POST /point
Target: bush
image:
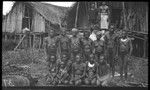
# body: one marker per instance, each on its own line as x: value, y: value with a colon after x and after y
x: 8, y: 45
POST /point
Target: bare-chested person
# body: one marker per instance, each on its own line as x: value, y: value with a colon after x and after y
x: 103, y: 72
x: 110, y: 49
x: 98, y: 47
x: 75, y: 44
x: 64, y: 67
x: 78, y: 71
x: 125, y: 50
x: 87, y: 46
x: 51, y: 44
x: 53, y: 69
x: 64, y: 43
x: 91, y: 71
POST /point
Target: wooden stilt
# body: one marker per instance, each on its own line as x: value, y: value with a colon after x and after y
x: 144, y: 55
x: 30, y: 41
x: 34, y: 40
x: 40, y: 42
x: 5, y: 36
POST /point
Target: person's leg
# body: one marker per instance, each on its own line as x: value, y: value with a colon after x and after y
x: 93, y: 81
x: 78, y: 82
x: 112, y: 62
x: 121, y: 65
x: 125, y: 66
x: 86, y: 81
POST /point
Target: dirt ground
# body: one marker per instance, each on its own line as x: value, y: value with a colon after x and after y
x: 35, y: 62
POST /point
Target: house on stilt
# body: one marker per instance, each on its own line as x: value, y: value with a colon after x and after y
x: 38, y: 17
x: 130, y: 15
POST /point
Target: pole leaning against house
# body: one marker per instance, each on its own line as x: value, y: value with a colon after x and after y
x: 26, y: 30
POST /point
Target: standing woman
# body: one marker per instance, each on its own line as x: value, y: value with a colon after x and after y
x: 125, y: 50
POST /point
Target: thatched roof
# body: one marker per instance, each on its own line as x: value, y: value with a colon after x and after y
x: 50, y: 12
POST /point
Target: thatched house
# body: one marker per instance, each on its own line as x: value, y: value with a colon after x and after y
x: 130, y: 15
x: 37, y: 17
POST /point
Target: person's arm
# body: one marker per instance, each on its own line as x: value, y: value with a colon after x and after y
x: 84, y: 72
x: 72, y: 72
x: 69, y: 46
x: 97, y: 70
x: 81, y: 45
x: 131, y: 47
x: 93, y: 47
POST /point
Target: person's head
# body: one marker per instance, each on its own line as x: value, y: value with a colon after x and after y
x: 93, y: 6
x: 123, y: 34
x: 52, y: 58
x: 74, y: 31
x: 62, y: 64
x: 111, y: 28
x: 63, y: 32
x: 64, y: 57
x: 103, y: 3
x: 99, y: 36
x: 91, y: 58
x: 86, y: 34
x: 78, y: 58
x: 51, y: 33
x: 102, y: 58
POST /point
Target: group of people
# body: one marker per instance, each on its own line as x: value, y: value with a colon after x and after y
x: 81, y: 60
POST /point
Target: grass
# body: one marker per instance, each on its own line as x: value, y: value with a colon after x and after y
x: 36, y: 60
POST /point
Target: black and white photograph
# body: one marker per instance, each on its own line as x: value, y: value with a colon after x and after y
x: 70, y: 43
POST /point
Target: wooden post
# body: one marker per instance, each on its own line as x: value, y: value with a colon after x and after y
x: 144, y: 55
x: 124, y: 15
x: 40, y: 42
x: 34, y: 40
x: 5, y: 36
x: 30, y: 41
x: 76, y: 14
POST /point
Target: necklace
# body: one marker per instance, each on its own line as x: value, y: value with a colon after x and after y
x: 90, y: 65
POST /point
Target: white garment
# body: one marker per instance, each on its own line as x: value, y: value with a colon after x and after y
x: 102, y: 38
x: 104, y: 21
x: 90, y: 65
x: 93, y: 37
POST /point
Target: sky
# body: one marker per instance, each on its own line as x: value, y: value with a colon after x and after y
x: 7, y: 5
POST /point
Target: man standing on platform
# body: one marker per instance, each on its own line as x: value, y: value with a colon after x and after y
x: 92, y: 15
x: 103, y: 16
